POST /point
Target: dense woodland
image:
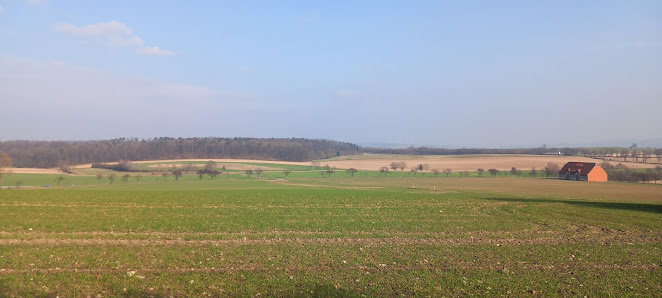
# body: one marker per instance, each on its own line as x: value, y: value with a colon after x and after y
x: 47, y: 154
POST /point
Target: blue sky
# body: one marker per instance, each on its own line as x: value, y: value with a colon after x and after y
x: 438, y: 73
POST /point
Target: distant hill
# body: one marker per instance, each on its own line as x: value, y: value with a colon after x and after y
x: 48, y: 154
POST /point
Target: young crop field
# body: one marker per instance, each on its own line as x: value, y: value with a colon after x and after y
x: 309, y: 235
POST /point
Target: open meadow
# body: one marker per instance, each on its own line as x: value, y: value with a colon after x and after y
x: 333, y: 235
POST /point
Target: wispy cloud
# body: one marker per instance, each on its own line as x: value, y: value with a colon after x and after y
x: 156, y: 51
x: 55, y: 90
x: 112, y: 33
x: 2, y: 9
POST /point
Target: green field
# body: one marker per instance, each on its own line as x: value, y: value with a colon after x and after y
x: 318, y: 236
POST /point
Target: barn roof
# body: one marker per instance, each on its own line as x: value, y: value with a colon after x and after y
x: 582, y: 167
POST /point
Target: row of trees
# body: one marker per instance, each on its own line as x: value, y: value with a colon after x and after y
x: 628, y: 175
x: 642, y: 155
x: 112, y: 177
x: 551, y: 170
x: 622, y: 173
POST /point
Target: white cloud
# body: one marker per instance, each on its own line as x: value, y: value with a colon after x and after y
x: 156, y: 51
x: 2, y: 9
x: 112, y: 27
x: 112, y: 33
x: 86, y: 103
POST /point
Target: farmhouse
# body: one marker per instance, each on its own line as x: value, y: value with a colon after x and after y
x: 582, y: 171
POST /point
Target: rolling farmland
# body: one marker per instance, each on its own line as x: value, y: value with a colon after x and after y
x: 332, y: 236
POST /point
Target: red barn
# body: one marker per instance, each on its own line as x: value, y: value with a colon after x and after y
x: 582, y: 171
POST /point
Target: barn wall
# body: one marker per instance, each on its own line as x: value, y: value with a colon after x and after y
x: 597, y: 174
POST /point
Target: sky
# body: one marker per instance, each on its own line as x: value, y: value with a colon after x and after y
x: 497, y: 74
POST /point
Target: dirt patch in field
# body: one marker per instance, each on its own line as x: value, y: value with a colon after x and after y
x: 374, y: 162
x: 470, y: 162
x: 33, y: 171
x: 220, y: 162
x: 229, y: 166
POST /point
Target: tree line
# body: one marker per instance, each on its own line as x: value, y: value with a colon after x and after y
x: 631, y: 154
x: 622, y: 173
x: 550, y: 170
x: 48, y: 154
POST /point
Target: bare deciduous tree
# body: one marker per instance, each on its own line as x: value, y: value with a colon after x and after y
x: 210, y: 165
x: 287, y: 173
x: 99, y: 177
x: 138, y: 178
x: 436, y: 172
x: 493, y: 172
x: 200, y: 173
x: 552, y: 169
x: 533, y: 172
x: 65, y: 168
x: 383, y: 170
x: 480, y: 171
x: 111, y: 177
x: 188, y: 167
x: 352, y: 171
x: 213, y: 174
x: 398, y: 165
x: 426, y: 167
x: 330, y: 170
x: 177, y: 173
x: 448, y: 172
x: 5, y: 162
x: 125, y: 178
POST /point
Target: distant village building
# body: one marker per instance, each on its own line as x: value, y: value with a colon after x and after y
x: 582, y: 171
x: 552, y: 153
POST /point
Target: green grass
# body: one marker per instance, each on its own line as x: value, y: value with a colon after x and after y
x: 338, y: 236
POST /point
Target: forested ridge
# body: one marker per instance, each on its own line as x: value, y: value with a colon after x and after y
x: 46, y: 154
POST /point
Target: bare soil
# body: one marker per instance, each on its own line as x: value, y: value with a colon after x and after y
x: 229, y: 166
x: 470, y: 162
x: 372, y: 162
x: 34, y: 171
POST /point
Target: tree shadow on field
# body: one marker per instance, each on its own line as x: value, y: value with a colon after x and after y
x: 607, y: 205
